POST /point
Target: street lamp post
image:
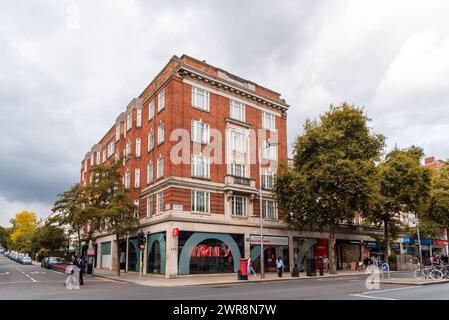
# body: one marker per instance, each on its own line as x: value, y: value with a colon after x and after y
x: 262, y: 258
x: 419, y: 239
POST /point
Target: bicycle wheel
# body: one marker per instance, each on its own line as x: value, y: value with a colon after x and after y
x: 436, y: 274
x: 419, y: 274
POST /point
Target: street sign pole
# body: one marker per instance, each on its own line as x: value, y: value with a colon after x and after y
x: 419, y: 239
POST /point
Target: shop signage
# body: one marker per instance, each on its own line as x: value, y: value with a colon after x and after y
x: 415, y: 241
x: 175, y: 232
x: 90, y: 252
x: 440, y: 242
x: 349, y: 241
x: 270, y: 240
x: 371, y: 244
x: 211, y: 251
x: 178, y: 207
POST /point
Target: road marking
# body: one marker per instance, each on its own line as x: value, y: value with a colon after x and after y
x: 4, y: 273
x: 37, y: 272
x: 370, y: 297
x: 387, y: 290
x: 26, y: 274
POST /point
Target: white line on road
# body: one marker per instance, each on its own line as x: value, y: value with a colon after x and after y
x: 26, y: 275
x: 387, y: 290
x: 370, y: 297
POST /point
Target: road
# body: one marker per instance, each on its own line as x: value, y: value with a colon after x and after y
x: 33, y: 282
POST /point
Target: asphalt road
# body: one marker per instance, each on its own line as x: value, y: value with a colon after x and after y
x: 33, y: 282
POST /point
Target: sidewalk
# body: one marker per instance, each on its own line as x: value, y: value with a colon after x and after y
x: 412, y: 281
x: 207, y: 279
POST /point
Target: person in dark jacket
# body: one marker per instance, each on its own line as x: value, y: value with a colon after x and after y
x: 81, y: 266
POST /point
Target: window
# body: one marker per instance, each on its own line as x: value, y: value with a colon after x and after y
x: 136, y: 209
x: 238, y: 141
x: 117, y: 133
x: 150, y: 169
x: 111, y: 149
x: 269, y: 209
x: 98, y: 154
x: 160, y: 133
x: 150, y: 206
x: 160, y: 167
x: 238, y: 205
x: 85, y: 166
x: 136, y: 178
x: 151, y: 140
x: 91, y: 160
x: 161, y: 101
x: 200, y: 201
x: 139, y: 118
x: 104, y: 155
x: 127, y: 179
x: 128, y: 148
x: 129, y: 121
x: 200, y: 166
x: 268, y: 179
x: 268, y: 121
x: 138, y: 147
x: 200, y: 98
x: 238, y: 169
x: 116, y: 156
x: 151, y: 109
x: 237, y: 110
x: 200, y: 132
x: 160, y: 202
x: 269, y: 152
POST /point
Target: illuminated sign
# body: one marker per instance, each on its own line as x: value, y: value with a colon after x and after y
x: 210, y: 251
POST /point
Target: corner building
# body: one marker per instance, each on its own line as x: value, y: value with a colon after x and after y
x: 192, y: 142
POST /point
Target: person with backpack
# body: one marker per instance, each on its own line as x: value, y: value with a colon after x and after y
x: 280, y: 266
x: 81, y: 265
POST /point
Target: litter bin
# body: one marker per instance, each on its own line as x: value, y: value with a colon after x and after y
x: 311, y: 268
x: 295, y: 272
x: 243, y: 269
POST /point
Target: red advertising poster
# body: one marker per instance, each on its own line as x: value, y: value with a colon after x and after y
x: 321, y: 249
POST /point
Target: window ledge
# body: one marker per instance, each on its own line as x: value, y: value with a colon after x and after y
x: 201, y: 109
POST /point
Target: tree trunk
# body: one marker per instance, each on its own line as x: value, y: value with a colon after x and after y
x: 332, y: 251
x: 118, y: 253
x: 386, y: 241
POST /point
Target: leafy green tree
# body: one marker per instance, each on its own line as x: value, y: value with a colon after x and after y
x: 111, y: 203
x: 333, y: 172
x: 48, y: 237
x: 4, y: 237
x: 72, y: 210
x: 404, y: 187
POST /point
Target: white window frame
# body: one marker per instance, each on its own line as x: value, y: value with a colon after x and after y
x: 151, y: 109
x: 237, y: 104
x: 91, y: 160
x: 151, y: 140
x: 139, y: 118
x: 200, y: 92
x: 161, y: 100
x: 269, y: 124
x: 270, y: 152
x: 238, y: 141
x: 138, y: 146
x: 273, y: 214
x: 200, y: 166
x: 111, y: 147
x: 160, y: 167
x: 127, y: 179
x: 136, y: 209
x: 137, y: 178
x: 98, y: 157
x: 159, y: 202
x: 128, y: 148
x: 268, y: 177
x: 104, y: 156
x: 244, y: 202
x: 117, y: 133
x: 242, y: 166
x: 150, y: 203
x: 150, y: 172
x: 129, y: 121
x: 206, y: 199
x: 160, y: 137
x: 200, y: 132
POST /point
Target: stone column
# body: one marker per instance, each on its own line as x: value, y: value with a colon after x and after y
x: 247, y: 248
x: 114, y: 258
x: 291, y: 255
x: 171, y: 258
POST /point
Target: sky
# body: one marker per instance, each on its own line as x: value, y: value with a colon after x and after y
x: 68, y: 68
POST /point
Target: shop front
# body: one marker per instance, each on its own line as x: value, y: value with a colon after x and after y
x: 439, y: 247
x: 348, y: 254
x: 273, y: 247
x: 156, y: 253
x: 411, y: 246
x: 133, y: 254
x: 307, y: 249
x: 373, y: 249
x: 206, y: 252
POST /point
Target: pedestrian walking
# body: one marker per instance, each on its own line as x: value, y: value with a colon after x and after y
x: 251, y: 267
x: 366, y: 262
x: 360, y: 264
x: 81, y: 266
x: 280, y: 266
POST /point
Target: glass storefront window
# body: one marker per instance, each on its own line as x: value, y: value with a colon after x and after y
x: 156, y: 253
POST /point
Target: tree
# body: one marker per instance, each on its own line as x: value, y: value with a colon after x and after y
x: 404, y: 187
x: 111, y: 202
x: 72, y: 210
x: 333, y: 172
x: 4, y: 237
x: 24, y: 225
x: 437, y: 211
x: 48, y: 237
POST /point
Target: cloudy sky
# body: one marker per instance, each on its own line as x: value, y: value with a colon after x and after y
x: 67, y: 68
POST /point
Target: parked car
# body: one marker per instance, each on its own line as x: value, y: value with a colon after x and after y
x: 44, y: 262
x: 61, y: 266
x: 26, y: 260
x: 53, y: 260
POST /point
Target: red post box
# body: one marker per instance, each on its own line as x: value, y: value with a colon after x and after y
x: 243, y: 269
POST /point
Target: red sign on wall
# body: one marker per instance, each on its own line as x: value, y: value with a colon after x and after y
x: 211, y: 251
x: 175, y: 232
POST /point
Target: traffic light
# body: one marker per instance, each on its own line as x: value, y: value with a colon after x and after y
x: 141, y: 239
